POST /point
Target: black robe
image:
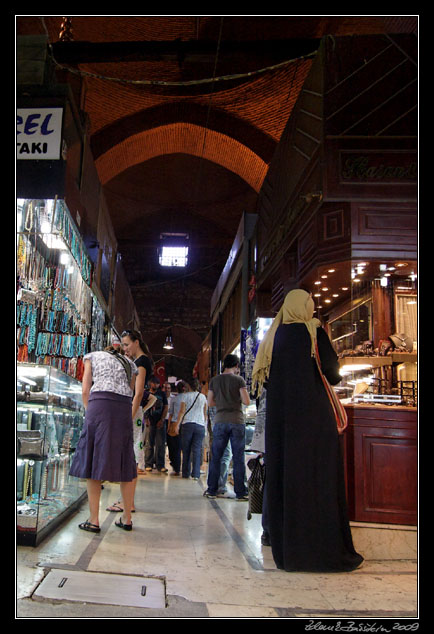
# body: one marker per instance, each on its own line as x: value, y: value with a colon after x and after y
x: 305, y: 487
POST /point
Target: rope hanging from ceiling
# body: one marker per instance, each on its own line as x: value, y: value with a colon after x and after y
x: 157, y: 82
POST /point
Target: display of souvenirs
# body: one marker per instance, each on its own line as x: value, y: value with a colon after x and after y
x: 54, y: 299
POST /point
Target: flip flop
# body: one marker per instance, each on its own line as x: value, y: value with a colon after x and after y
x: 116, y: 508
x: 126, y: 527
x: 87, y: 526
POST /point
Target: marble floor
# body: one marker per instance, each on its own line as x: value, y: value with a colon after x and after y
x: 211, y: 561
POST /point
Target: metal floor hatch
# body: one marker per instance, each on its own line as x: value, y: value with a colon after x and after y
x: 106, y: 588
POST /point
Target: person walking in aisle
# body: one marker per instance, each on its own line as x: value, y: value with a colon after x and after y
x: 192, y: 419
x: 305, y: 487
x: 228, y: 392
x: 225, y: 460
x: 173, y: 432
x: 155, y: 429
x: 105, y: 447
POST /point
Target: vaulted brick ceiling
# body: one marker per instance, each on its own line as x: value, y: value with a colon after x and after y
x: 186, y: 154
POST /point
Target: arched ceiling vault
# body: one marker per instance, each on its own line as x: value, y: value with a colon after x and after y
x: 183, y: 138
x: 193, y: 149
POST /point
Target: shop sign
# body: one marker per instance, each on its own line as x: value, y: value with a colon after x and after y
x: 39, y: 133
x: 378, y: 167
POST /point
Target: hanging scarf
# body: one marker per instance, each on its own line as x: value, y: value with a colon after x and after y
x: 298, y: 308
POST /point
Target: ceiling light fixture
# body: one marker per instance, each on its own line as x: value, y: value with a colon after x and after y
x: 168, y: 344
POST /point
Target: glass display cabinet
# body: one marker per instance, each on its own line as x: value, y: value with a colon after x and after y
x: 50, y: 418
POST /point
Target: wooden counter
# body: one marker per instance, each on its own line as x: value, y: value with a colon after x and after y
x: 381, y: 458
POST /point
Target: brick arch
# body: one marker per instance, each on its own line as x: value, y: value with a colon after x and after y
x: 185, y: 111
x: 183, y: 138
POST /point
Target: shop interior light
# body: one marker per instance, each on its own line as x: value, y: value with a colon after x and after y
x: 23, y: 380
x: 355, y: 367
x: 53, y: 241
x: 31, y: 371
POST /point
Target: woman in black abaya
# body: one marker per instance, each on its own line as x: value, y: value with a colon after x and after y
x: 308, y: 521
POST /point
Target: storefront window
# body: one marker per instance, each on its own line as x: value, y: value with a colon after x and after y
x: 370, y: 312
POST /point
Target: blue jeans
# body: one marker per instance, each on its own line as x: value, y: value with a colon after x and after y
x: 192, y: 436
x: 155, y: 445
x: 235, y: 433
x: 224, y: 467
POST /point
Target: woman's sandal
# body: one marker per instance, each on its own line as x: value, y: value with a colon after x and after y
x: 116, y: 508
x: 87, y: 526
x: 126, y: 527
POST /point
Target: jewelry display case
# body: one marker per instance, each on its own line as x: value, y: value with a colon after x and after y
x: 374, y: 333
x: 50, y: 418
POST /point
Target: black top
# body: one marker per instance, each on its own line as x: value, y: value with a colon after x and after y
x: 308, y: 522
x: 145, y: 362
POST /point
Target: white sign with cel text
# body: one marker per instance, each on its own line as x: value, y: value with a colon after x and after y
x: 39, y: 133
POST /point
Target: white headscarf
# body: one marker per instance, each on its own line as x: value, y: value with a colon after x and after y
x: 298, y: 308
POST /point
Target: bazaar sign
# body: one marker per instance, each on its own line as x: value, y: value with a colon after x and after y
x: 39, y: 133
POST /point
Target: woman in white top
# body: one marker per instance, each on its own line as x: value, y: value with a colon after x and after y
x: 192, y: 418
x: 105, y: 448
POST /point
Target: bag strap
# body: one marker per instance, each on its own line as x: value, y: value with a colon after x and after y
x: 191, y: 407
x: 124, y: 362
x: 338, y: 409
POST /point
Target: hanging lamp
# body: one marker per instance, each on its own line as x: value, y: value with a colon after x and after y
x: 168, y: 345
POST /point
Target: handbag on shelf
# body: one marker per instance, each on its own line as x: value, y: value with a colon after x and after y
x: 338, y: 409
x: 30, y: 444
x: 255, y: 486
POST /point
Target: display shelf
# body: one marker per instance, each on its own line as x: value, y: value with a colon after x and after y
x: 377, y: 361
x: 49, y: 408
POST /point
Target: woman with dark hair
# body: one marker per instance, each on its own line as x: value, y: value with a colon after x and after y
x: 192, y: 416
x: 137, y: 350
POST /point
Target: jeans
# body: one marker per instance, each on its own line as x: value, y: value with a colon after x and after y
x: 235, y: 433
x: 192, y: 436
x: 224, y: 466
x: 155, y: 445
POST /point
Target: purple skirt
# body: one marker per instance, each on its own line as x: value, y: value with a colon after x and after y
x: 105, y: 448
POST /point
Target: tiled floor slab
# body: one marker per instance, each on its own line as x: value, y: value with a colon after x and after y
x: 212, y: 561
x: 108, y: 589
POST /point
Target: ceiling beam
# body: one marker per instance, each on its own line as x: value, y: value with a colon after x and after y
x: 195, y: 50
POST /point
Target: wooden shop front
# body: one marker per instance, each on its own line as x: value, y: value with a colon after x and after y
x: 337, y: 215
